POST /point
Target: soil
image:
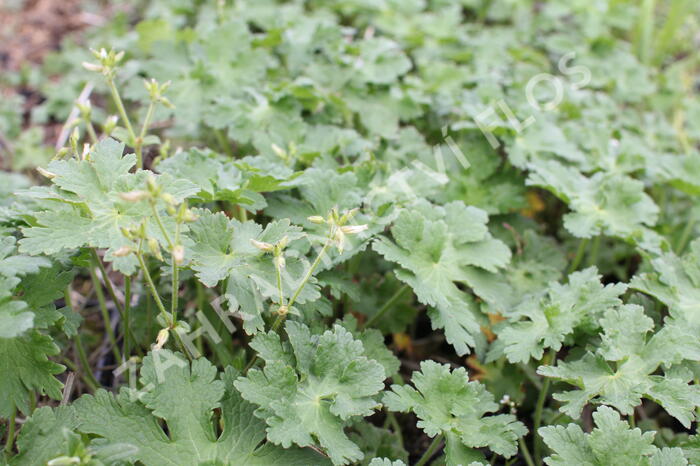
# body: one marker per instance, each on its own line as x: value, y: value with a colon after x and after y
x: 32, y: 28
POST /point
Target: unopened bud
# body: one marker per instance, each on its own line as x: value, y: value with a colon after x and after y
x: 92, y: 67
x: 123, y: 251
x: 188, y: 216
x: 281, y: 153
x: 347, y: 216
x: 85, y: 108
x: 281, y: 244
x: 280, y: 261
x: 339, y: 238
x: 74, y: 138
x: 162, y: 338
x: 154, y: 247
x: 85, y: 155
x: 62, y: 153
x: 166, y: 102
x: 134, y: 196
x: 283, y: 310
x: 110, y: 124
x: 263, y: 246
x: 152, y: 185
x: 46, y: 173
x: 179, y: 254
x: 316, y: 219
x: 353, y: 229
x: 168, y: 198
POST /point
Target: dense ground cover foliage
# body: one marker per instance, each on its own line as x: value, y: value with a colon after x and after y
x: 375, y: 232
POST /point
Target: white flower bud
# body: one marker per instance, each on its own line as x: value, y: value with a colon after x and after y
x: 45, y: 173
x: 162, y: 338
x: 154, y: 247
x: 317, y: 219
x: 281, y: 153
x: 92, y: 67
x: 339, y: 238
x: 134, y: 196
x: 110, y: 124
x: 353, y: 229
x: 168, y: 198
x: 281, y: 244
x: 123, y: 251
x: 179, y: 254
x: 263, y: 246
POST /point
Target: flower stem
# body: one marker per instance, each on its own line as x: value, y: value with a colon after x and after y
x: 526, y: 453
x: 595, y: 249
x: 579, y: 255
x: 550, y: 359
x: 138, y: 142
x: 309, y: 273
x: 89, y: 377
x: 151, y: 285
x: 386, y: 307
x: 279, y: 281
x: 434, y: 445
x: 162, y: 229
x: 108, y: 283
x: 91, y: 131
x: 685, y: 235
x: 176, y: 281
x: 126, y: 318
x: 11, y: 431
x: 122, y: 112
x: 105, y: 313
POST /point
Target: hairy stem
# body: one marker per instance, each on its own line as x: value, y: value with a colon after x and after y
x: 11, y: 431
x: 550, y: 359
x: 685, y: 235
x: 138, y: 143
x: 309, y: 273
x: 278, y: 269
x: 434, y: 445
x: 151, y: 285
x: 105, y: 313
x: 176, y: 281
x: 387, y: 306
x: 526, y: 453
x: 87, y: 374
x: 579, y: 255
x: 108, y: 283
x: 595, y: 249
x: 122, y: 113
x: 161, y: 227
x: 645, y: 38
x: 126, y: 318
x: 91, y: 131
